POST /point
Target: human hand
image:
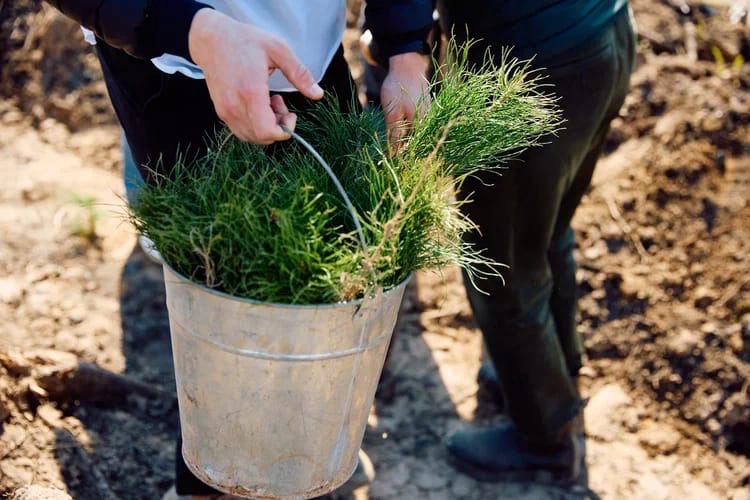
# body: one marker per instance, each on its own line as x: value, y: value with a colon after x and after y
x: 237, y: 59
x: 404, y: 94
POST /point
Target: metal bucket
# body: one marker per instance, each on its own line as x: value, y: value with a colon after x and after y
x: 274, y: 398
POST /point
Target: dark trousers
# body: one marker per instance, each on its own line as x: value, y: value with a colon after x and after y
x: 163, y: 115
x: 529, y: 324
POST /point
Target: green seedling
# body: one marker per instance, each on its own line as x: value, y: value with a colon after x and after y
x: 84, y: 225
x: 269, y: 224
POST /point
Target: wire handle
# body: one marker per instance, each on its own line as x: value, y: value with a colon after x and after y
x: 336, y: 182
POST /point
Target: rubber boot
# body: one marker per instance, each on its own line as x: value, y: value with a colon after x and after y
x: 501, y: 453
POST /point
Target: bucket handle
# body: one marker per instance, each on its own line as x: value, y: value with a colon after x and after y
x: 337, y: 455
x: 336, y: 182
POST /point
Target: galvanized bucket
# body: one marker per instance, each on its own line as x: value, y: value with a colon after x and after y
x: 274, y: 398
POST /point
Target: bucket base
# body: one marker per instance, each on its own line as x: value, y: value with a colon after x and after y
x: 263, y: 495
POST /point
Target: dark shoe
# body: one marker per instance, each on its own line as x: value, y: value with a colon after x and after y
x: 489, y: 383
x: 500, y: 453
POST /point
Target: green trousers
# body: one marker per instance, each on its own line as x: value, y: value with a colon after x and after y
x: 529, y: 323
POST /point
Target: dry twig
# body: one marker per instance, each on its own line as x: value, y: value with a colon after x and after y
x: 626, y: 229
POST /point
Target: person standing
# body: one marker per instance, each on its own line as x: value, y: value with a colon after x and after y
x: 586, y: 51
x: 176, y: 70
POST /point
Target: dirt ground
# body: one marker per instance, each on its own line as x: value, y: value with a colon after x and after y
x: 664, y: 253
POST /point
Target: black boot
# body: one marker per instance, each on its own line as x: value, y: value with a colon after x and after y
x: 501, y: 453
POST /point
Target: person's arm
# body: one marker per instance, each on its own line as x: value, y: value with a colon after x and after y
x: 399, y: 28
x: 142, y: 28
x: 236, y: 58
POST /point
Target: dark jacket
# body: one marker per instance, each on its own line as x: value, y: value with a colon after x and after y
x: 149, y: 28
x: 399, y: 26
x: 142, y: 28
x: 552, y: 31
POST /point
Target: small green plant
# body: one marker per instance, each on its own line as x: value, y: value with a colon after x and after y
x: 269, y: 224
x: 84, y: 225
x: 720, y: 64
x: 737, y: 63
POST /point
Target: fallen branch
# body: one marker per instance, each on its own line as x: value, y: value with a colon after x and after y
x: 733, y: 290
x: 444, y: 332
x: 625, y: 228
x: 89, y: 382
x: 441, y: 313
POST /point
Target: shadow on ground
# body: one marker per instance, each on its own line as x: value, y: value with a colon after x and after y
x: 131, y: 451
x: 130, y: 454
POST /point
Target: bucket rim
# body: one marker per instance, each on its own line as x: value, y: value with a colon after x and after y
x: 234, y: 298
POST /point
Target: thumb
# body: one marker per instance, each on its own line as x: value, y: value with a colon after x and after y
x: 282, y: 57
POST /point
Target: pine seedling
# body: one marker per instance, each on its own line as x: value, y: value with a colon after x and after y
x: 269, y: 224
